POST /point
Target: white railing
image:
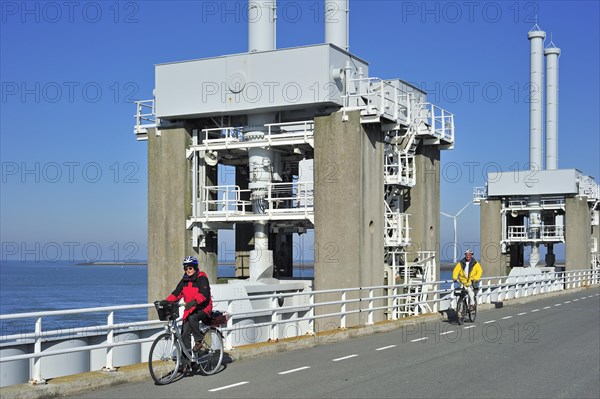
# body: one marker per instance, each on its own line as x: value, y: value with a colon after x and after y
x: 375, y: 96
x: 547, y: 232
x: 439, y: 122
x: 281, y: 198
x: 479, y: 193
x: 275, y: 134
x: 145, y: 116
x: 335, y: 304
x: 399, y: 169
x: 545, y: 203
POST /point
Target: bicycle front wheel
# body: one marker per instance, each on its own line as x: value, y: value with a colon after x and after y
x: 461, y: 308
x: 473, y: 313
x: 164, y: 359
x: 210, y: 356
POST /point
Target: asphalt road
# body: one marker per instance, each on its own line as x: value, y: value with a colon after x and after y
x: 549, y: 348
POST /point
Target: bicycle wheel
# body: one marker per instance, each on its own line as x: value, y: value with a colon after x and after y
x: 473, y: 313
x: 164, y: 359
x: 461, y: 308
x: 210, y: 356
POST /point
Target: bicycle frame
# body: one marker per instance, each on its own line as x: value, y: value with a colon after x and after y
x: 175, y: 329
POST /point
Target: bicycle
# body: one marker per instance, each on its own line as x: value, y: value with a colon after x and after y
x: 169, y: 357
x: 462, y: 305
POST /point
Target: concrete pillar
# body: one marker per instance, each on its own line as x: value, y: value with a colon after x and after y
x: 577, y: 234
x: 596, y: 235
x: 424, y: 205
x: 491, y: 258
x: 349, y: 208
x: 244, y: 232
x: 169, y: 199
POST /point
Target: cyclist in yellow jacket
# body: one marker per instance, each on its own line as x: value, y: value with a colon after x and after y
x: 468, y: 271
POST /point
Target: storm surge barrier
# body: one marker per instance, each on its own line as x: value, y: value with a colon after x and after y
x: 41, y: 354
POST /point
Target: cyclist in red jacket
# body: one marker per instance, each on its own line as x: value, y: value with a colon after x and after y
x: 195, y: 291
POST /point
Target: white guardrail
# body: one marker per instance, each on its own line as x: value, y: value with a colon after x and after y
x: 36, y: 353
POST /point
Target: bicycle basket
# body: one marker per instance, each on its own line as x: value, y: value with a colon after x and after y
x: 167, y: 310
x: 458, y: 291
x: 218, y: 318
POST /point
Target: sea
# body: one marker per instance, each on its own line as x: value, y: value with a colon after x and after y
x: 33, y: 286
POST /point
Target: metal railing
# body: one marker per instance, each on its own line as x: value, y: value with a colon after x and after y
x: 439, y: 122
x: 282, y: 133
x: 295, y: 198
x: 479, y: 193
x: 375, y: 96
x: 547, y: 232
x: 335, y: 304
x: 145, y: 116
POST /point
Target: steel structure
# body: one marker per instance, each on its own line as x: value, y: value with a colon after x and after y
x: 534, y: 202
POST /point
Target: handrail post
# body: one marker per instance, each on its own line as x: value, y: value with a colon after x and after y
x: 229, y: 338
x: 311, y: 314
x: 110, y: 339
x: 370, y: 314
x: 274, y: 335
x: 37, y: 349
x: 343, y: 311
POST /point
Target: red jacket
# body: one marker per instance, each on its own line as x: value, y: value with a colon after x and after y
x: 192, y: 288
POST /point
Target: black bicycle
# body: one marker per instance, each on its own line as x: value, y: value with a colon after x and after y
x: 463, y: 308
x: 169, y: 357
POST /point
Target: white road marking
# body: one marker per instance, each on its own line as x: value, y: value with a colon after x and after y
x: 228, y: 386
x: 466, y: 328
x: 507, y: 317
x: 558, y: 304
x: 575, y: 300
x: 535, y: 310
x: 567, y: 302
x: 344, y: 358
x: 419, y: 339
x: 491, y: 321
x: 294, y: 370
x: 590, y: 296
x: 547, y: 307
x: 521, y: 314
x: 447, y: 332
x: 385, y: 347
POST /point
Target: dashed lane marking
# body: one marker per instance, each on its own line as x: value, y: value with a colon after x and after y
x: 507, y: 317
x: 447, y: 332
x: 344, y: 358
x: 535, y: 310
x: 558, y: 304
x: 491, y: 321
x: 294, y: 370
x: 521, y: 314
x: 228, y: 386
x: 547, y: 307
x: 386, y: 347
x: 466, y: 328
x: 419, y: 339
x: 567, y: 302
x: 575, y: 300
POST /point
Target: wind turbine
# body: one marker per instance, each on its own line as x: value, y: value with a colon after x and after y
x: 454, y: 219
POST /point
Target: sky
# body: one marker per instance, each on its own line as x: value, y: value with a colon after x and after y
x: 74, y: 178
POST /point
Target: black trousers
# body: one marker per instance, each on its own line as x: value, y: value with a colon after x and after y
x: 192, y: 326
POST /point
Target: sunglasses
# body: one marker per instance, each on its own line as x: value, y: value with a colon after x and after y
x: 188, y: 268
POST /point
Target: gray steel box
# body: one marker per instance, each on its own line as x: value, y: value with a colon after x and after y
x: 530, y: 182
x: 253, y: 82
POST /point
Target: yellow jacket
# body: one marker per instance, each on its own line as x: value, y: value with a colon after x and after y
x: 475, y: 272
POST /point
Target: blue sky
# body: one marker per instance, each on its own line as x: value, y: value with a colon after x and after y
x: 74, y: 179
